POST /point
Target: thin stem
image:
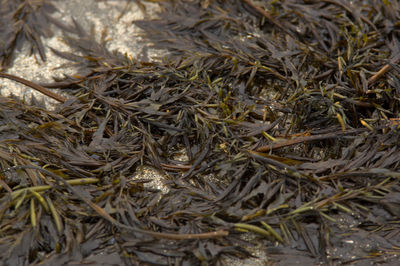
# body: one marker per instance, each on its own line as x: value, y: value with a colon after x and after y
x: 306, y: 139
x: 381, y: 72
x: 35, y: 86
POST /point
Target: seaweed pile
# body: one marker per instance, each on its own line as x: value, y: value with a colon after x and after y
x: 286, y: 113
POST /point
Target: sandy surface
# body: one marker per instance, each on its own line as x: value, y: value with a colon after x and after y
x: 122, y: 36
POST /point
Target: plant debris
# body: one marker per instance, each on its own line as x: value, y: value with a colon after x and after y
x: 25, y: 21
x: 286, y: 113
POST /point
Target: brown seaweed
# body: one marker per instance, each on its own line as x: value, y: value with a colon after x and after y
x: 290, y: 135
x: 25, y: 21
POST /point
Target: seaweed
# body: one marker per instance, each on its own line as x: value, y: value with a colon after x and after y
x: 286, y: 126
x: 25, y: 21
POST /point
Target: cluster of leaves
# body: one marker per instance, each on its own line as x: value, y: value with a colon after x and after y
x: 24, y: 21
x: 287, y: 128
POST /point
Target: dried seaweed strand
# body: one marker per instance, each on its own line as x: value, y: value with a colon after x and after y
x: 35, y: 86
x: 306, y: 139
x: 382, y: 71
x: 268, y: 17
x: 105, y: 215
x: 178, y: 167
x: 46, y: 92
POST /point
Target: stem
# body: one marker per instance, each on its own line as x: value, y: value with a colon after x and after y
x: 35, y: 86
x: 307, y: 139
x: 382, y: 71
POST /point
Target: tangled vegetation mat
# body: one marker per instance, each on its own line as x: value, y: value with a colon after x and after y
x: 285, y: 114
